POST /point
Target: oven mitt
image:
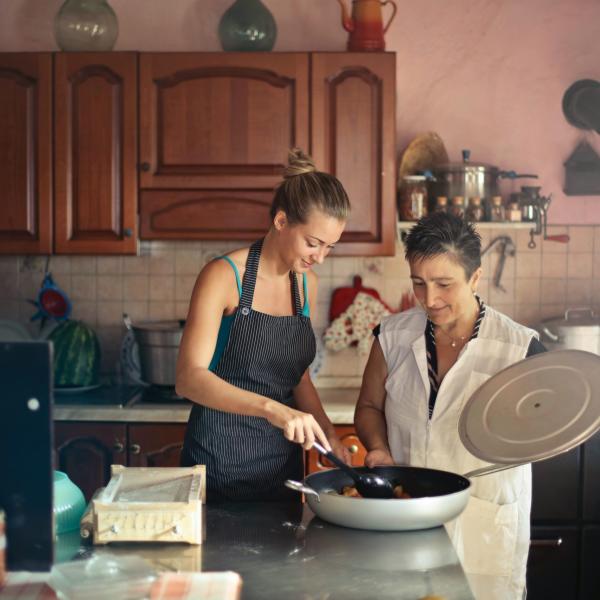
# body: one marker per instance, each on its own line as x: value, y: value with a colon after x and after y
x: 343, y: 297
x: 355, y: 324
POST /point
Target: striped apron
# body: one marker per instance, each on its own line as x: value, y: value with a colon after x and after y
x: 246, y: 457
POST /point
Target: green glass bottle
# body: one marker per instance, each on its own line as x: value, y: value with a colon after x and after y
x: 86, y: 25
x: 246, y: 26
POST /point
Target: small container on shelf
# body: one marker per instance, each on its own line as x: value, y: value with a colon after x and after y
x: 412, y: 198
x: 441, y: 204
x: 497, y: 212
x: 475, y: 212
x: 457, y: 208
x: 513, y: 213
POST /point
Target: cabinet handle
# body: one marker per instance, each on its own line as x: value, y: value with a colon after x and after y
x: 135, y: 448
x: 145, y: 167
x: 118, y: 447
x: 353, y: 449
x: 546, y: 543
x: 127, y: 232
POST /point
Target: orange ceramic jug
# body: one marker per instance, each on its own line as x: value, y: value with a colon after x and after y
x: 366, y: 24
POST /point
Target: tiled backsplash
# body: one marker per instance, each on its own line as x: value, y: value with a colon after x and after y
x: 539, y: 283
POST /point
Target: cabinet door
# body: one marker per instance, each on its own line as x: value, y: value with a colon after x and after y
x: 591, y: 479
x: 353, y: 137
x: 590, y: 574
x: 222, y: 121
x: 26, y: 153
x: 347, y: 434
x: 553, y: 563
x: 95, y: 153
x: 556, y: 487
x: 85, y: 452
x: 155, y: 445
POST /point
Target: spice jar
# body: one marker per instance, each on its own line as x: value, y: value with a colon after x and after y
x: 497, y: 210
x: 514, y: 212
x: 412, y: 199
x: 474, y: 212
x: 441, y: 204
x: 457, y: 208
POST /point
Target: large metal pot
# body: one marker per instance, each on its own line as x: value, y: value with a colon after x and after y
x: 468, y: 179
x: 158, y: 343
x: 579, y: 329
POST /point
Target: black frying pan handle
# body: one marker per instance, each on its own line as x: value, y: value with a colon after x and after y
x: 336, y: 461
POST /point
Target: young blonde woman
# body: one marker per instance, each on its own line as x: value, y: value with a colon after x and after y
x: 248, y: 343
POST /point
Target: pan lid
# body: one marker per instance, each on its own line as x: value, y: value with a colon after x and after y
x: 535, y: 409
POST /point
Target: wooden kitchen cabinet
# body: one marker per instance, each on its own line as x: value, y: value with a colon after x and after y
x: 215, y: 130
x: 95, y: 153
x: 347, y: 434
x: 155, y: 445
x: 85, y: 450
x: 26, y: 153
x: 352, y: 137
x: 68, y: 161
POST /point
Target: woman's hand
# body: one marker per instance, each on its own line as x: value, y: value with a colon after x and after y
x: 378, y: 457
x: 297, y: 426
x: 340, y: 450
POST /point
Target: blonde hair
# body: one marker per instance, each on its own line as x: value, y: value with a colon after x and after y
x: 304, y: 188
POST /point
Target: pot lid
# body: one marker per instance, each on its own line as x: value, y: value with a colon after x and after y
x: 465, y: 165
x: 574, y: 318
x: 535, y: 409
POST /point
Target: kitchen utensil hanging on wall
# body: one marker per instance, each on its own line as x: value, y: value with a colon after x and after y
x: 365, y: 24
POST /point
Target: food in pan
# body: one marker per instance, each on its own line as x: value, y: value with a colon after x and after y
x: 351, y: 492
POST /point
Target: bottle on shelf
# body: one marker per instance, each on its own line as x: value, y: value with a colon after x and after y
x: 457, y: 208
x: 514, y: 212
x: 497, y: 213
x: 412, y: 198
x: 475, y: 212
x: 441, y: 204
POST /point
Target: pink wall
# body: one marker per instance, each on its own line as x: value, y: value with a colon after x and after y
x: 488, y: 75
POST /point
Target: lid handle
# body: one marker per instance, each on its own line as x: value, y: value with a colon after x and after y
x: 584, y: 310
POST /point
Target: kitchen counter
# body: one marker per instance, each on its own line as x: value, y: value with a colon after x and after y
x: 126, y: 404
x: 283, y: 551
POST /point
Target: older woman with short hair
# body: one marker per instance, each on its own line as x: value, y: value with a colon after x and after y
x: 424, y: 365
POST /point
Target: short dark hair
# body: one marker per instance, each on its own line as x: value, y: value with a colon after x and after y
x: 443, y: 233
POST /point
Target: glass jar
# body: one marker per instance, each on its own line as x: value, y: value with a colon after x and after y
x: 412, y: 198
x: 86, y: 25
x: 457, y: 208
x: 497, y: 213
x: 514, y: 212
x: 475, y: 212
x: 441, y: 204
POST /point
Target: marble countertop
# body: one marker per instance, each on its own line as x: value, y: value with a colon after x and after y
x: 281, y: 550
x: 126, y: 404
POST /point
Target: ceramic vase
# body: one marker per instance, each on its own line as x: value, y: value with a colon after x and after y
x: 247, y: 25
x: 86, y: 25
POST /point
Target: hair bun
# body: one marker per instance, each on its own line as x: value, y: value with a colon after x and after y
x: 299, y: 163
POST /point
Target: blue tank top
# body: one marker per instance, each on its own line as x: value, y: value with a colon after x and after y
x: 227, y: 320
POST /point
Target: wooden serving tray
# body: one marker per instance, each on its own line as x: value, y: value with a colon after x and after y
x: 143, y: 504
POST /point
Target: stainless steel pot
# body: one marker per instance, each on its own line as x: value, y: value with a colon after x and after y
x: 468, y: 179
x: 578, y: 330
x: 158, y: 343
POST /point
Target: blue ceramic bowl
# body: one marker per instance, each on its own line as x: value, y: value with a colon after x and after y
x: 69, y: 504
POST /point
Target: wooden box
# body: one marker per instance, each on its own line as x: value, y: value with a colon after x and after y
x: 150, y: 505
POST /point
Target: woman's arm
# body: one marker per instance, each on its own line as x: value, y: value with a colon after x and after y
x: 196, y: 382
x: 369, y: 416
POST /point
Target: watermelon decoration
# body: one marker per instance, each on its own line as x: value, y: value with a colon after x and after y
x: 76, y: 355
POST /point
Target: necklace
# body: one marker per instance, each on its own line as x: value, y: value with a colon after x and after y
x: 453, y: 342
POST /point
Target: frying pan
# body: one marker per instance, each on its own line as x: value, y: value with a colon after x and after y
x: 516, y: 417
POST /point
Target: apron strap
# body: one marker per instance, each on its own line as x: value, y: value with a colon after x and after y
x: 249, y: 280
x: 296, y: 294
